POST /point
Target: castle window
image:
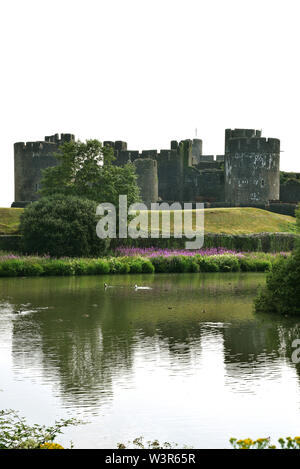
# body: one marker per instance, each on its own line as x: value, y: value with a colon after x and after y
x: 262, y: 183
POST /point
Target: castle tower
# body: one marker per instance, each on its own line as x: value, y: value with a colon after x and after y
x: 252, y: 173
x: 146, y: 170
x: 30, y: 159
x: 196, y: 150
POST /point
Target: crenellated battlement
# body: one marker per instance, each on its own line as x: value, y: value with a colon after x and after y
x: 242, y: 133
x: 59, y: 139
x: 253, y: 145
x: 34, y: 146
x: 49, y: 143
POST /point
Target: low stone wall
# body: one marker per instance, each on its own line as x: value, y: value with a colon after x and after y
x: 283, y: 208
x: 264, y: 242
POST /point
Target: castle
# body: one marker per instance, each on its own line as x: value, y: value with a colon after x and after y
x: 248, y: 174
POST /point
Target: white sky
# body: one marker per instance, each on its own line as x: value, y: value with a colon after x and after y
x: 148, y: 72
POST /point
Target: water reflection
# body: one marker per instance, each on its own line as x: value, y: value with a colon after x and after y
x: 98, y: 347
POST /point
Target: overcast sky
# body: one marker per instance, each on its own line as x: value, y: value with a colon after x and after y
x: 148, y: 72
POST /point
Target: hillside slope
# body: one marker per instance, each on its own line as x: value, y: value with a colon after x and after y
x: 237, y: 220
x: 9, y: 220
x: 243, y: 220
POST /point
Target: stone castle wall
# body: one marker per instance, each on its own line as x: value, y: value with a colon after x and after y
x: 247, y: 173
x: 30, y: 159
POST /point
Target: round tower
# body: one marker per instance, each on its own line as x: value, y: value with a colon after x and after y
x: 251, y: 168
x: 146, y: 170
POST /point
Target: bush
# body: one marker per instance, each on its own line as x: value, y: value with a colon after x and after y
x: 282, y: 292
x: 101, y: 267
x: 16, y: 433
x: 208, y: 264
x: 58, y: 267
x: 136, y: 265
x: 11, y: 268
x: 119, y: 266
x: 178, y: 264
x: 160, y: 264
x: 228, y: 263
x: 61, y: 226
x: 147, y: 267
x: 253, y: 264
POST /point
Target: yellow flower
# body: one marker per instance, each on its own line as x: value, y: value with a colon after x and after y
x: 248, y: 442
x: 261, y: 440
x: 51, y: 445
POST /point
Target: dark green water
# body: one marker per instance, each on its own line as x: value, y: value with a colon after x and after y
x: 186, y: 361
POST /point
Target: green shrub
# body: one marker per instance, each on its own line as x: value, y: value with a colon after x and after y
x: 136, y: 265
x: 282, y: 292
x: 101, y: 266
x: 253, y: 264
x: 178, y: 264
x: 12, y: 268
x: 32, y: 269
x: 208, y: 264
x: 160, y: 264
x: 58, y: 267
x: 16, y: 433
x: 80, y: 266
x: 228, y: 263
x: 147, y: 267
x: 118, y: 266
x: 193, y: 266
x: 61, y: 226
x: 247, y: 264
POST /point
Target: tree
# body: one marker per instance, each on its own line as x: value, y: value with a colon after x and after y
x: 62, y: 225
x: 282, y: 292
x: 87, y: 170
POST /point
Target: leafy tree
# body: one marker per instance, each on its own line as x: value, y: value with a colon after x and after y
x: 87, y: 170
x: 62, y: 225
x: 282, y: 292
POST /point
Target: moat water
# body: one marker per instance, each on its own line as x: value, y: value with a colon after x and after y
x: 187, y: 361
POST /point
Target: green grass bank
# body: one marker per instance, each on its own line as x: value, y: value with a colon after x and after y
x: 23, y: 266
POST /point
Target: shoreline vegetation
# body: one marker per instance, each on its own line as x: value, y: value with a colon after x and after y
x: 127, y: 260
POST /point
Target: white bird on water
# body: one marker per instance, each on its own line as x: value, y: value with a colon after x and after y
x: 136, y: 287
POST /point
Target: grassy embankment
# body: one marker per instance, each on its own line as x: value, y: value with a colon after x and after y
x: 9, y: 220
x: 237, y: 220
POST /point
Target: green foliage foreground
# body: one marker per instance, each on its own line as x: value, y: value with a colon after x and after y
x: 22, y: 266
x: 16, y: 433
x: 282, y: 292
